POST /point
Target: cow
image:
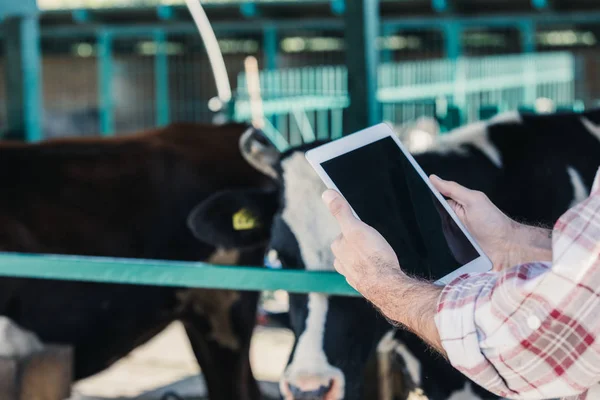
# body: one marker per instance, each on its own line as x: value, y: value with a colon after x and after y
x: 132, y: 197
x: 534, y: 167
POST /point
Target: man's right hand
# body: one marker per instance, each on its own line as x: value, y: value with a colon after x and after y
x: 506, y: 242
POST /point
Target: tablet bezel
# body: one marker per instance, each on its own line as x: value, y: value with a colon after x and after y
x: 367, y: 136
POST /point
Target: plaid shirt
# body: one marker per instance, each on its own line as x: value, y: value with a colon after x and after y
x: 532, y: 331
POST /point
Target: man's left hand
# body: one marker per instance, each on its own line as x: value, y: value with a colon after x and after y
x: 362, y: 255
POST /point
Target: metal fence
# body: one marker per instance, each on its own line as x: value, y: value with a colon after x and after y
x: 121, y: 78
x: 304, y: 104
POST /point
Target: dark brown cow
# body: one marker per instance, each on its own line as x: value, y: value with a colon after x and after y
x: 131, y: 197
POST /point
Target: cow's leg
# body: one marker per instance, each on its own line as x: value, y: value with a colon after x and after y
x: 219, y: 325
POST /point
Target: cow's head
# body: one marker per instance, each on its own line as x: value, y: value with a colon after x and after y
x: 240, y: 218
x: 334, y: 335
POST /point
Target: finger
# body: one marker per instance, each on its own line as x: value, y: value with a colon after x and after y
x: 458, y: 193
x: 339, y: 267
x: 339, y: 208
x: 456, y: 207
x: 336, y: 245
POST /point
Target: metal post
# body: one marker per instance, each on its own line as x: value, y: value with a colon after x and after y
x: 528, y: 45
x: 527, y: 30
x: 387, y: 55
x: 105, y: 72
x: 440, y: 5
x: 23, y: 76
x: 540, y: 4
x: 361, y: 30
x: 453, y: 40
x: 270, y: 47
x: 161, y: 79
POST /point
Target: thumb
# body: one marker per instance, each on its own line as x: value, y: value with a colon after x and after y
x: 456, y: 192
x: 339, y: 208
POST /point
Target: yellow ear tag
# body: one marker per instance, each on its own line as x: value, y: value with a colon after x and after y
x: 243, y: 220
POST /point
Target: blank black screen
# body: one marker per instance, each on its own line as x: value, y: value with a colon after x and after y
x: 387, y: 193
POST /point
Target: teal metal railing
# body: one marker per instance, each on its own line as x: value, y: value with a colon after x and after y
x: 170, y: 273
x: 304, y: 104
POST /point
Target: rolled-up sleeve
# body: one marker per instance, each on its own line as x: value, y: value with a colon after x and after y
x: 531, y: 332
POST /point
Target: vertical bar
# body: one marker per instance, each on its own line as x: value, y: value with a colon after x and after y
x: 322, y: 125
x: 527, y: 30
x: 161, y: 79
x: 270, y: 47
x: 581, y: 89
x: 439, y: 5
x: 105, y: 73
x: 337, y: 118
x: 338, y: 7
x: 453, y: 40
x: 387, y: 55
x: 361, y: 30
x: 459, y: 97
x: 23, y: 76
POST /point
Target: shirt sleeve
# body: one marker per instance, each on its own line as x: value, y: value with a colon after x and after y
x: 531, y: 331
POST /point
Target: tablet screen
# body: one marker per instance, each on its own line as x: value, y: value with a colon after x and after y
x: 387, y: 193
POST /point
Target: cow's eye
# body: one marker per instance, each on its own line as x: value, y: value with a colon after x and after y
x: 272, y: 259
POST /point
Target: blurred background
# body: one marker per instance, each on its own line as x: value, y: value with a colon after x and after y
x: 117, y: 66
x: 318, y: 68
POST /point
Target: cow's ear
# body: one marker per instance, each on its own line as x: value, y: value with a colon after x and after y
x: 235, y: 219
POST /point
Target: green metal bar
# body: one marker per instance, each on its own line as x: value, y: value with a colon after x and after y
x: 338, y: 7
x: 527, y: 30
x: 362, y: 29
x: 105, y: 73
x: 540, y: 4
x: 23, y: 76
x: 333, y: 24
x: 439, y: 5
x: 270, y: 54
x: 387, y: 55
x: 322, y: 124
x: 169, y: 273
x: 249, y: 9
x: 528, y: 44
x: 452, y: 40
x: 164, y: 13
x: 270, y: 47
x: 161, y: 79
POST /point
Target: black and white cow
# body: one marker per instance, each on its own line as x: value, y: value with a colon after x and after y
x: 532, y: 166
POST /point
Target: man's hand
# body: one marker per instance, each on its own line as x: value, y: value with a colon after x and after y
x: 506, y: 242
x: 362, y: 255
x: 370, y: 266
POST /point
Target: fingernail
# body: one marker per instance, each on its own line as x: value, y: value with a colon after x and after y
x: 329, y: 196
x: 433, y: 176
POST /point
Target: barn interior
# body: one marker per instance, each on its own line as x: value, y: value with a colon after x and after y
x: 318, y: 70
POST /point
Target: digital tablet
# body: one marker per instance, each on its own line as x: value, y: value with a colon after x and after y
x: 389, y: 191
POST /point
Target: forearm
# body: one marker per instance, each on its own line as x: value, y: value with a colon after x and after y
x: 413, y: 304
x: 529, y: 244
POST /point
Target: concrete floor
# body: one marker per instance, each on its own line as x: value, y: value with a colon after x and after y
x: 167, y: 363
